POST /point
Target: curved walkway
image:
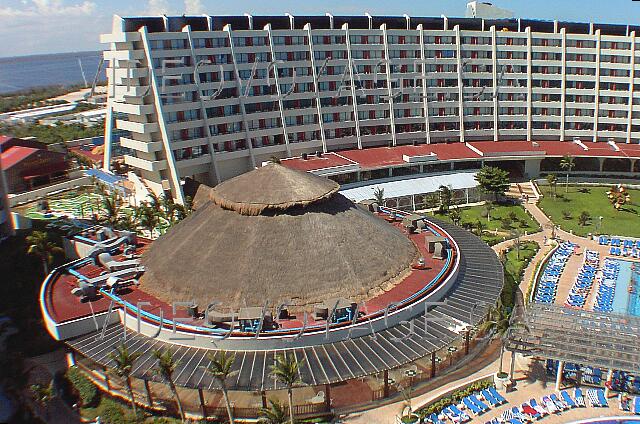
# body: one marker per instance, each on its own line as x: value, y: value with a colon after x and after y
x: 529, y: 374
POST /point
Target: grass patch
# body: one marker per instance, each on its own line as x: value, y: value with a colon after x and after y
x: 514, y: 267
x: 504, y: 218
x: 565, y: 209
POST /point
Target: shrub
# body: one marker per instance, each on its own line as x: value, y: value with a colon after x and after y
x: 111, y: 412
x: 455, y: 397
x: 566, y: 214
x: 87, y: 391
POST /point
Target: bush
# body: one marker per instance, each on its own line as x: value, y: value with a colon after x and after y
x: 455, y: 397
x: 111, y: 412
x: 87, y: 391
x: 567, y: 215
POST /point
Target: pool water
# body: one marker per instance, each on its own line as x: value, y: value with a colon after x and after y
x: 627, y: 294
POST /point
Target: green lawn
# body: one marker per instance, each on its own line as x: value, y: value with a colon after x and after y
x: 514, y: 267
x: 625, y: 222
x: 522, y: 222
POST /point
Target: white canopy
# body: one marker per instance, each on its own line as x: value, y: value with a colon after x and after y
x: 409, y: 186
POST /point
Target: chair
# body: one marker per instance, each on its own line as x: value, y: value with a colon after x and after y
x: 472, y: 407
x: 497, y: 395
x: 567, y: 399
x: 577, y: 394
x: 479, y: 403
x: 601, y: 398
x: 490, y: 398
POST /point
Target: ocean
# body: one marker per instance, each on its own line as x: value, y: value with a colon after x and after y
x: 24, y: 72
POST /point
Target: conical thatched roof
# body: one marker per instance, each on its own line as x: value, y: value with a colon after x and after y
x: 271, y: 188
x: 251, y: 243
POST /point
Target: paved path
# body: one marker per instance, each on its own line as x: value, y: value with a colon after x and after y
x: 531, y: 375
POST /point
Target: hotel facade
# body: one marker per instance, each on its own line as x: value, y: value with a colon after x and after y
x: 211, y: 97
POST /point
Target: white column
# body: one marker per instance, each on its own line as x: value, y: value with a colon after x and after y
x: 354, y: 97
x: 423, y: 74
x: 563, y: 84
x: 241, y: 99
x: 316, y: 81
x: 203, y: 109
x: 529, y: 88
x: 496, y: 89
x: 559, y: 375
x: 609, y: 380
x: 596, y: 101
x: 632, y: 65
x: 171, y: 161
x: 460, y: 86
x: 108, y: 131
x: 392, y: 118
x: 278, y: 91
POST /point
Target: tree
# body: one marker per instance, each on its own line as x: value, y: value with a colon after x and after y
x: 220, y: 369
x: 124, y: 361
x: 567, y: 164
x: 488, y: 207
x: 584, y: 218
x: 552, y: 180
x: 148, y: 217
x: 43, y: 395
x: 444, y: 197
x: 274, y: 159
x: 499, y: 323
x: 42, y: 247
x: 165, y: 367
x: 378, y: 195
x: 111, y: 206
x: 493, y: 180
x: 455, y: 216
x: 479, y: 227
x: 275, y: 414
x: 515, y: 233
x: 618, y: 196
x: 127, y: 222
x: 286, y: 371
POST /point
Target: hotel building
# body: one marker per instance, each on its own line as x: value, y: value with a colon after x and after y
x: 210, y: 97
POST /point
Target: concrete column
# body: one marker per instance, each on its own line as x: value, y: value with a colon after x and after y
x: 633, y: 162
x: 433, y: 364
x: 327, y: 396
x: 148, y: 392
x: 601, y: 162
x: 386, y: 383
x: 263, y: 395
x: 609, y: 380
x: 467, y: 335
x: 559, y: 374
x: 203, y: 407
x: 512, y: 369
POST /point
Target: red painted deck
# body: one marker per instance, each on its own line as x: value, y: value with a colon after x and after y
x: 63, y: 306
x: 312, y: 163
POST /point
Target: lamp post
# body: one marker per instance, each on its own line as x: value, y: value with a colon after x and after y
x: 599, y: 226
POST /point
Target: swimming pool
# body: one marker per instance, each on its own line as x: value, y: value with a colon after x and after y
x: 627, y: 293
x: 609, y: 420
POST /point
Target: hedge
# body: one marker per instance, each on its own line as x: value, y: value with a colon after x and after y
x: 88, y: 392
x: 454, y: 398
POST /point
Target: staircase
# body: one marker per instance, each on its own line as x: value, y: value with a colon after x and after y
x: 518, y: 190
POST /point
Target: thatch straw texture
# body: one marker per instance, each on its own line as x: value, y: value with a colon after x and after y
x: 328, y: 249
x: 271, y: 188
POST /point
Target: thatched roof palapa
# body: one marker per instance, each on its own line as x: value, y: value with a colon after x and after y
x: 275, y: 234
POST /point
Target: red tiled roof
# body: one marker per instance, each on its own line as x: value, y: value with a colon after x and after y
x: 376, y: 157
x: 15, y: 155
x: 313, y: 163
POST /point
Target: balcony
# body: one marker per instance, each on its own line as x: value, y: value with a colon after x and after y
x: 147, y: 165
x: 137, y: 127
x: 141, y: 146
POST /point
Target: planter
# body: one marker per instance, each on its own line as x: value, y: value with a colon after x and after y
x: 410, y: 419
x: 501, y: 380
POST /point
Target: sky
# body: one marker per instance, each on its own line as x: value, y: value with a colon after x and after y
x: 54, y: 26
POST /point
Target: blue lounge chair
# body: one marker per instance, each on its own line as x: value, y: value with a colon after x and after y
x: 497, y: 395
x: 472, y: 406
x: 480, y: 404
x: 435, y: 420
x: 463, y: 416
x: 636, y: 405
x: 567, y: 399
x: 490, y: 398
x: 601, y: 397
x: 515, y: 421
x: 579, y: 397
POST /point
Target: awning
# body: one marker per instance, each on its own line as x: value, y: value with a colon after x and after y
x: 410, y: 186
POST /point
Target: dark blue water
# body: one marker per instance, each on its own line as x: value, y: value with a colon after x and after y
x: 19, y: 73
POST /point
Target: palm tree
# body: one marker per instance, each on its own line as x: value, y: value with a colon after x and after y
x: 275, y: 414
x: 515, y: 233
x: 444, y: 194
x: 220, y: 368
x: 111, y: 206
x: 479, y: 227
x: 286, y: 371
x: 124, y: 361
x: 488, y: 207
x: 567, y: 164
x: 378, y: 194
x: 42, y: 247
x: 165, y: 367
x: 552, y: 180
x: 127, y: 222
x: 148, y: 217
x: 499, y: 322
